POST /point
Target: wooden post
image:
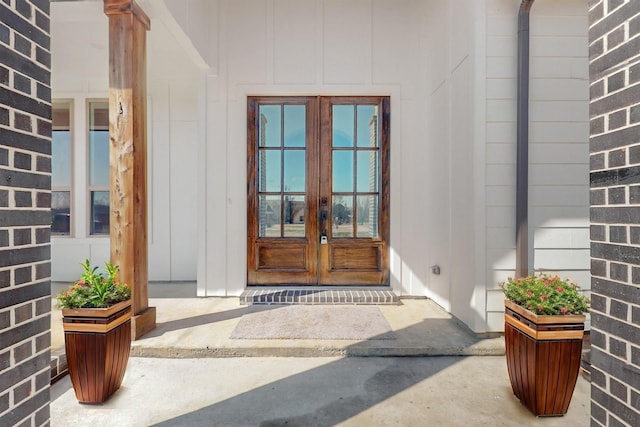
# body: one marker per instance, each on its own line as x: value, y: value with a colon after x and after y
x: 128, y: 25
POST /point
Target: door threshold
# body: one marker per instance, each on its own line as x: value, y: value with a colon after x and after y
x: 319, y: 295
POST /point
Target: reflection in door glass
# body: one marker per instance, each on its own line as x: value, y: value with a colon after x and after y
x: 342, y: 180
x: 367, y: 213
x: 294, y: 170
x: 367, y: 125
x: 295, y: 126
x: 342, y: 216
x: 367, y: 171
x: 270, y: 133
x: 343, y: 118
x: 270, y: 170
x: 269, y: 211
x: 294, y: 216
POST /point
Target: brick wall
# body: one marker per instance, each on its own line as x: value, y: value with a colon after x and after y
x: 25, y: 182
x: 614, y: 37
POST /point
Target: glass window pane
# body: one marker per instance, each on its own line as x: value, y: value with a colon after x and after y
x: 343, y: 120
x: 270, y: 133
x: 295, y: 125
x: 294, y: 170
x: 294, y: 216
x: 99, y: 144
x: 99, y: 158
x: 367, y: 212
x: 367, y: 126
x: 270, y: 216
x: 60, y: 212
x: 270, y: 170
x: 60, y: 158
x: 342, y: 171
x: 342, y: 216
x: 367, y: 171
x: 99, y: 212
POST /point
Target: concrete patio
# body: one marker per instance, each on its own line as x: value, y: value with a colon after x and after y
x: 189, y: 372
x: 201, y: 327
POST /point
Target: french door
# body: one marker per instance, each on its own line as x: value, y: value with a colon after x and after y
x: 318, y: 191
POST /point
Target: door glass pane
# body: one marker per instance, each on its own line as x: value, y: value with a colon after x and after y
x: 343, y: 121
x: 367, y: 126
x: 342, y: 216
x: 294, y: 170
x: 294, y: 216
x: 99, y: 212
x: 270, y: 126
x: 270, y: 170
x: 60, y: 158
x: 99, y: 144
x: 367, y: 171
x: 367, y: 212
x: 342, y: 168
x: 295, y: 126
x: 270, y: 216
x: 60, y: 212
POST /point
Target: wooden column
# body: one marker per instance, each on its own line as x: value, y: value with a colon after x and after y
x: 128, y: 25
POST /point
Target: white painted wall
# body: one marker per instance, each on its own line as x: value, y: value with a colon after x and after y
x: 559, y: 135
x: 316, y: 47
x: 455, y: 157
x: 449, y: 68
x: 80, y: 72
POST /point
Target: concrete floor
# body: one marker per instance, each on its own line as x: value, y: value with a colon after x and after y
x: 193, y: 374
x: 327, y: 391
x: 201, y: 327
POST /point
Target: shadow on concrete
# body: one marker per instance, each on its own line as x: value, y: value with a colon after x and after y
x: 324, y: 396
x: 332, y: 393
x: 205, y: 319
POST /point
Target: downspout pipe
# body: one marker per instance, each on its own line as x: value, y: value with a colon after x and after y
x: 522, y: 143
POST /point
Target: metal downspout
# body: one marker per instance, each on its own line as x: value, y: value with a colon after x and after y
x: 522, y: 152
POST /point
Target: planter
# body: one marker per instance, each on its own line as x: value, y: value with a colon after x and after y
x: 97, y: 342
x: 543, y: 358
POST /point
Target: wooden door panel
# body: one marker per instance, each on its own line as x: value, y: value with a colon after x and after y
x: 351, y: 259
x: 355, y: 258
x: 289, y: 257
x: 340, y: 232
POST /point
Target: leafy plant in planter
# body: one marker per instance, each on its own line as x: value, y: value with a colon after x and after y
x: 96, y: 315
x: 94, y: 290
x: 544, y: 326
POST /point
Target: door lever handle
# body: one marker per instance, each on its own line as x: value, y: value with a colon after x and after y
x: 323, y: 215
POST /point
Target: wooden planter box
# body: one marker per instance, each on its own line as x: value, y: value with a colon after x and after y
x: 543, y: 358
x: 97, y: 342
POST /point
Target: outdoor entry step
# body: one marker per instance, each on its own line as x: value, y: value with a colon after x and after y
x: 318, y: 295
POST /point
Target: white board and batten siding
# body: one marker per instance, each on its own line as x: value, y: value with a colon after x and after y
x: 449, y: 68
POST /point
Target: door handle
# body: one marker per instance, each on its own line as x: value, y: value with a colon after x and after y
x: 323, y: 235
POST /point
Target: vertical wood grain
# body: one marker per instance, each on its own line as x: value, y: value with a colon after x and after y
x: 128, y: 146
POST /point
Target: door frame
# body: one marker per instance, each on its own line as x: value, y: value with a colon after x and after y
x: 314, y: 256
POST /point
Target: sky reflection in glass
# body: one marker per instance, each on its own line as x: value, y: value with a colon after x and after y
x: 60, y: 158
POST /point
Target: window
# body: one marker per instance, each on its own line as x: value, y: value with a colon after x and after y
x: 61, y: 167
x: 98, y: 167
x: 80, y: 148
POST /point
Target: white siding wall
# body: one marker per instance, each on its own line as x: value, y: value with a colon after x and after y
x: 455, y: 143
x: 559, y: 151
x: 80, y: 72
x: 288, y: 47
x: 449, y: 68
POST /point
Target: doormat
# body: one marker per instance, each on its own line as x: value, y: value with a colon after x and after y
x: 324, y: 322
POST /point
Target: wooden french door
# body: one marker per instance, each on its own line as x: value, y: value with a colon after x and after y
x: 318, y: 191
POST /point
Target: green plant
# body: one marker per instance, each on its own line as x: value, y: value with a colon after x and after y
x: 94, y: 289
x: 544, y: 294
